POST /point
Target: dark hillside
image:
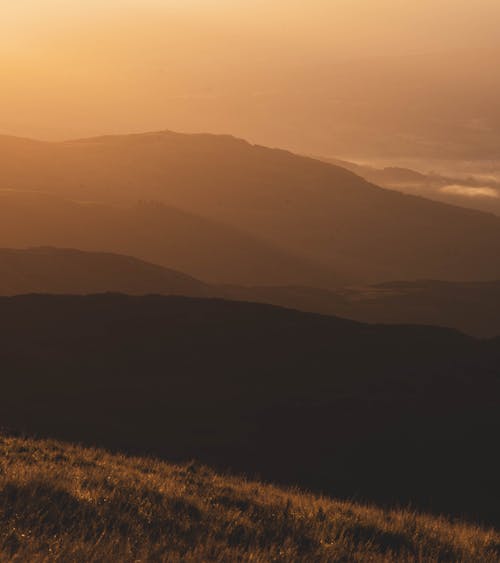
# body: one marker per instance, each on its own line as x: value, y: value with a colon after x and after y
x: 471, y: 307
x: 397, y: 414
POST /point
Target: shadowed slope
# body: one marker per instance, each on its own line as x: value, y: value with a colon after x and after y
x: 312, y: 209
x: 395, y: 414
x: 60, y: 501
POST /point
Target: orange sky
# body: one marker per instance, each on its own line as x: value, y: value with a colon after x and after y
x: 71, y: 68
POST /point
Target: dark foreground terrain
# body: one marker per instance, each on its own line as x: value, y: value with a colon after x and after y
x: 67, y: 503
x: 392, y: 414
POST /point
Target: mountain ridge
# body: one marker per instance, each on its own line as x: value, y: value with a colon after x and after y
x: 311, y: 209
x: 473, y: 308
x: 157, y: 233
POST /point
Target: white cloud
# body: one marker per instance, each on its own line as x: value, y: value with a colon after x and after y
x: 468, y: 191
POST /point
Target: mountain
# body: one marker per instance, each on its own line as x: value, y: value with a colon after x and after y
x: 156, y: 233
x: 473, y: 308
x: 481, y: 192
x: 51, y: 270
x: 393, y: 414
x: 143, y: 509
x: 312, y: 210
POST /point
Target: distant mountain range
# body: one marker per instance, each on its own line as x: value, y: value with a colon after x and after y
x: 471, y: 191
x: 282, y: 218
x: 51, y: 270
x: 473, y: 308
x: 298, y: 398
x: 158, y: 233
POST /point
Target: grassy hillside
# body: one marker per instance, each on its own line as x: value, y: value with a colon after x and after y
x: 63, y: 502
x: 387, y: 413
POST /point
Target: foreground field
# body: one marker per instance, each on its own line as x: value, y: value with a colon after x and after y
x: 61, y: 502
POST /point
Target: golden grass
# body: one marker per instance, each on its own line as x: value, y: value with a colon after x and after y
x: 61, y: 502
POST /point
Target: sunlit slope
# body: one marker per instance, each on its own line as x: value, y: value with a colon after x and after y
x: 61, y: 501
x: 312, y: 209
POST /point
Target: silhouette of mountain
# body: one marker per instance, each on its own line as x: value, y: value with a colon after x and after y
x: 311, y: 209
x: 388, y: 413
x: 53, y: 270
x: 473, y: 308
x: 157, y: 233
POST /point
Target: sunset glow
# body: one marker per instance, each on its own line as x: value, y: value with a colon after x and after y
x: 71, y: 68
x: 249, y: 280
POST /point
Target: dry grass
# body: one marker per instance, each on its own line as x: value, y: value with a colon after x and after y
x: 65, y: 503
